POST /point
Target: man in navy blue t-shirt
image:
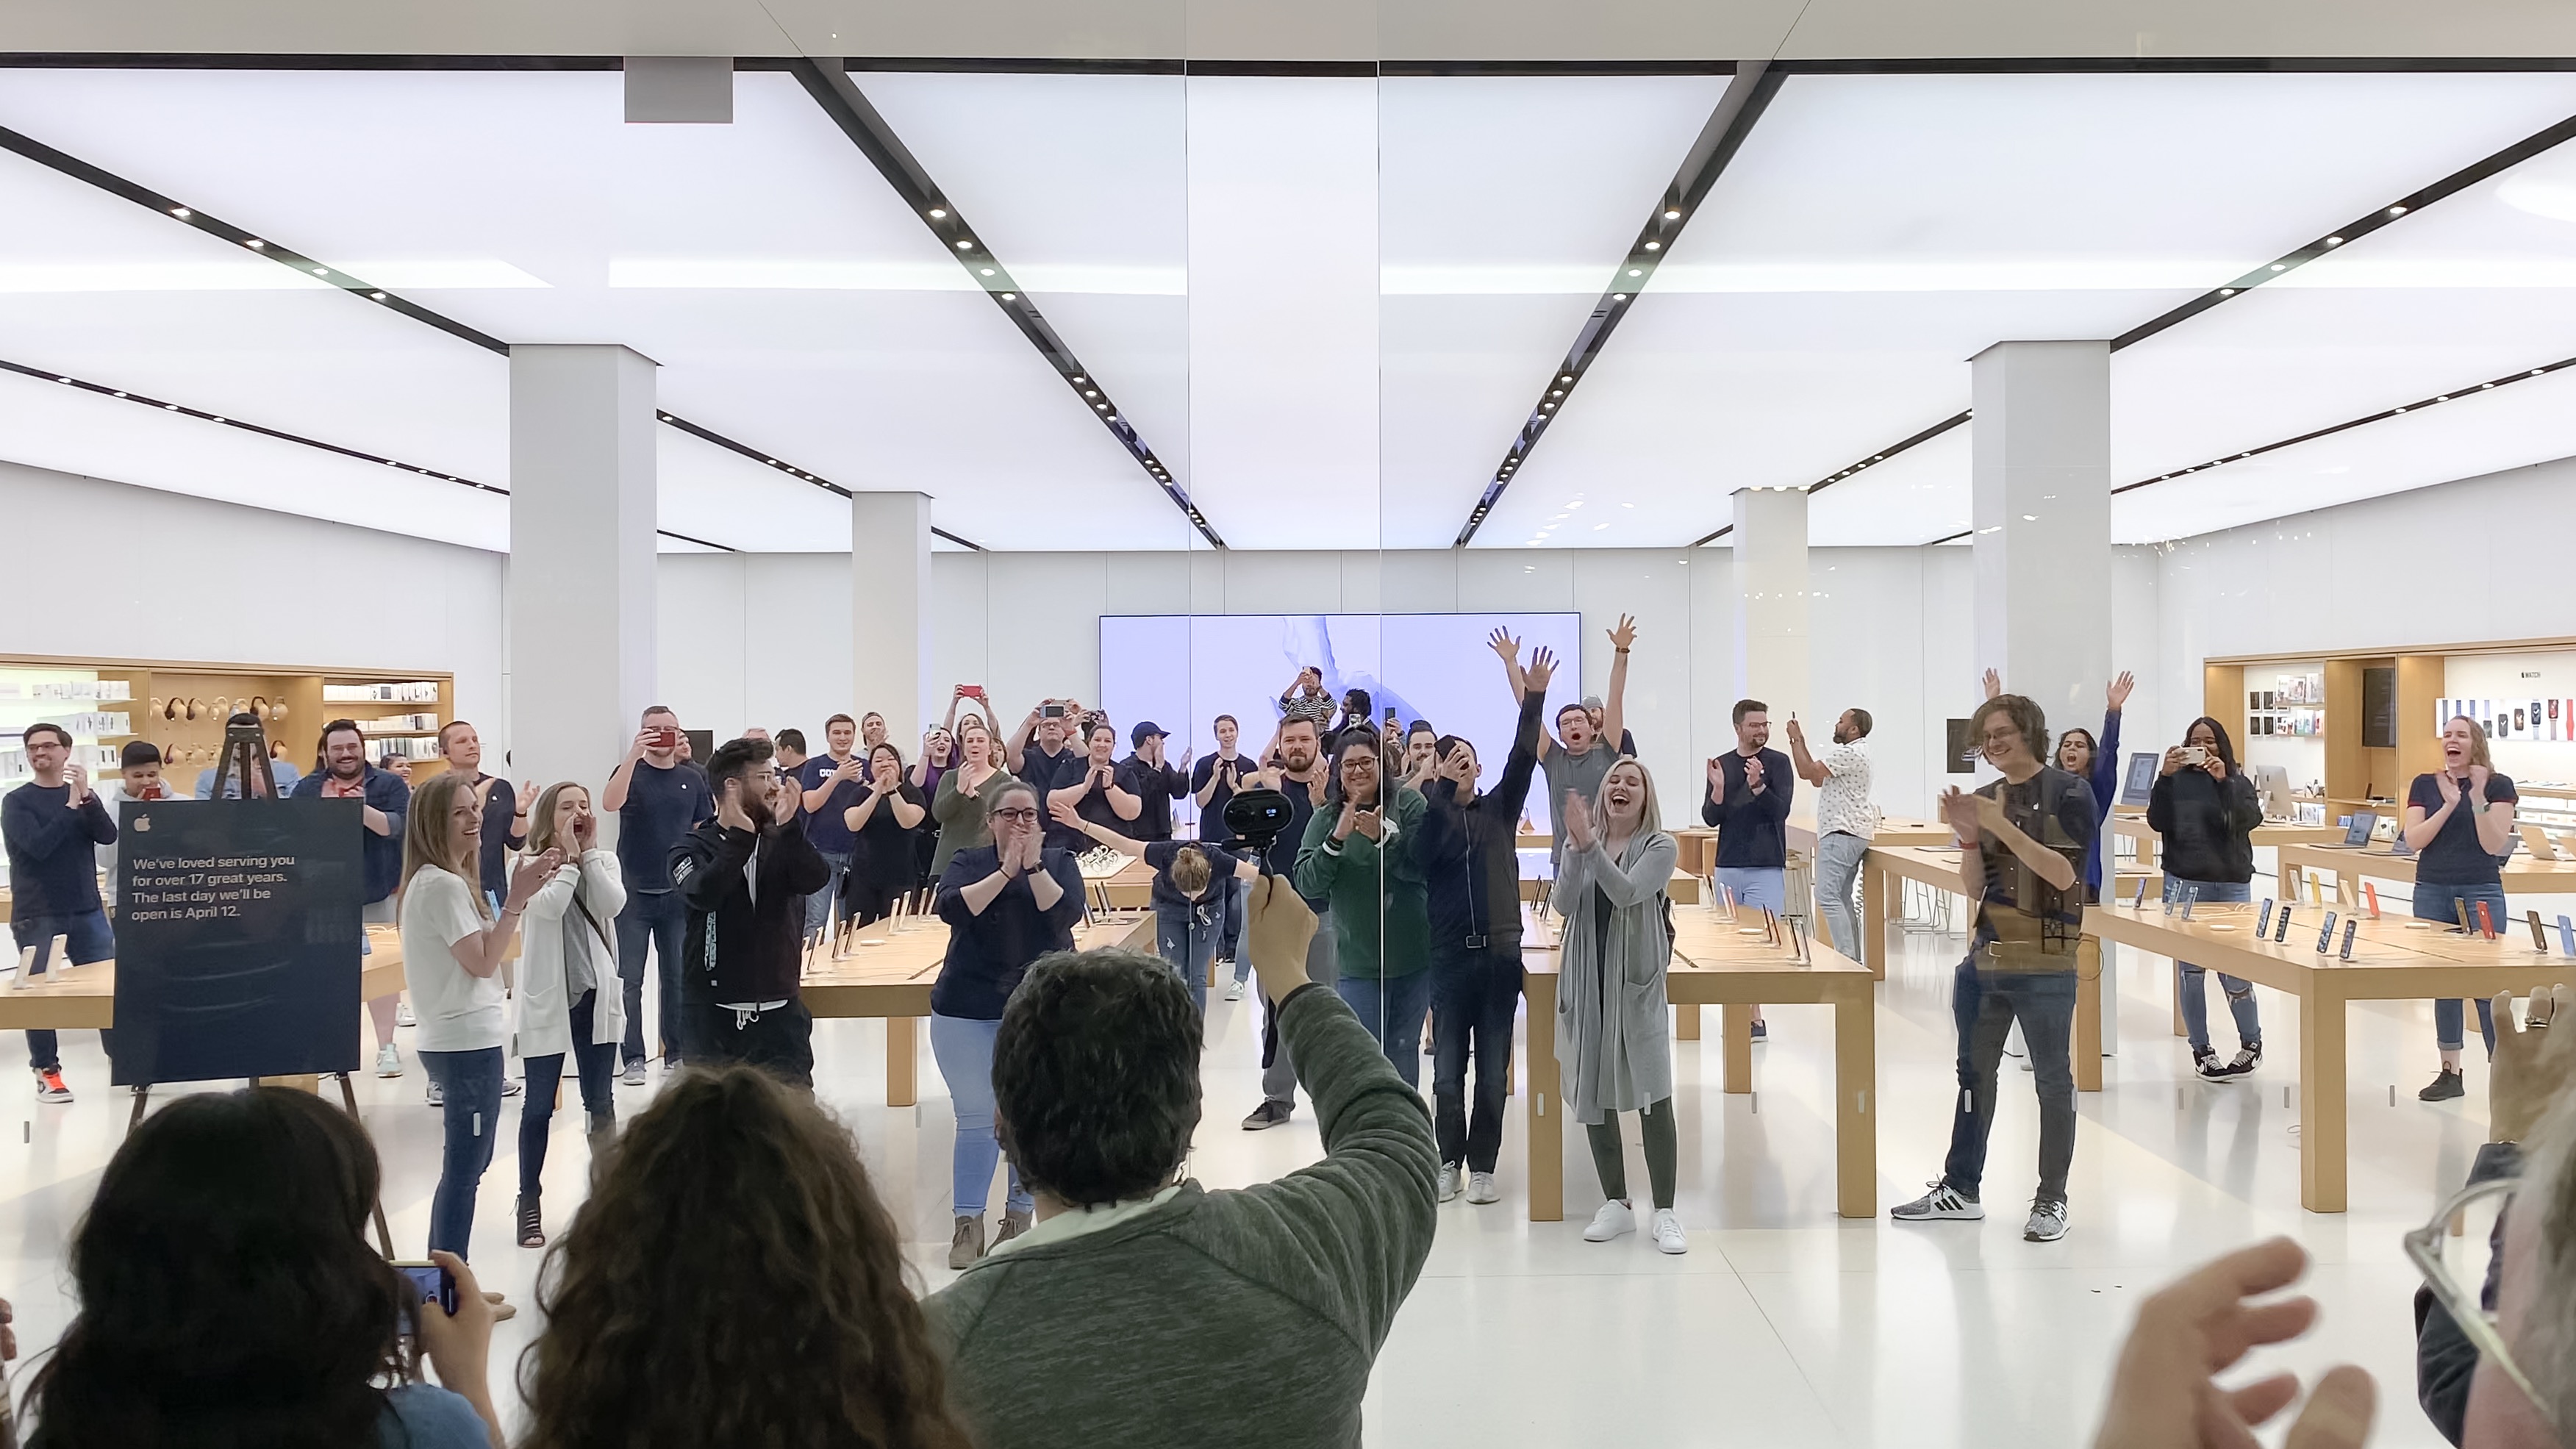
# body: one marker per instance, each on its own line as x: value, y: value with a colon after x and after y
x: 832, y: 783
x: 658, y: 798
x: 53, y: 827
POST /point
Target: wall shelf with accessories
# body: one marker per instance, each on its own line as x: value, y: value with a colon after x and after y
x: 2378, y: 716
x: 181, y: 706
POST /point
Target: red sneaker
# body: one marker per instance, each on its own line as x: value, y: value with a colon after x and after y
x: 49, y: 1086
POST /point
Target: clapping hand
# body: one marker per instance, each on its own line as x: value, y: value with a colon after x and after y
x: 531, y: 873
x: 1753, y: 774
x: 2533, y: 1062
x: 77, y: 777
x: 1578, y: 822
x: 1032, y: 841
x: 1959, y: 808
x: 2449, y: 787
x: 729, y: 811
x: 2478, y: 777
x: 1367, y: 822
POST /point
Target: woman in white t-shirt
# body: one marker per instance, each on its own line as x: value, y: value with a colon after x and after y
x: 570, y: 951
x: 452, y: 954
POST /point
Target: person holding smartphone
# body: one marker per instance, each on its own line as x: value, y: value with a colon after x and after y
x: 2205, y: 809
x: 657, y: 797
x: 1006, y: 904
x: 883, y: 825
x: 2459, y: 822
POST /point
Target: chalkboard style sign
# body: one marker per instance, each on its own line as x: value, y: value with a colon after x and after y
x: 237, y: 943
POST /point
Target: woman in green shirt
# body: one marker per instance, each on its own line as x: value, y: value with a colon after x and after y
x: 964, y: 792
x: 1358, y: 854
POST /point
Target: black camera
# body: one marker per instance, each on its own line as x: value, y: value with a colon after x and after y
x: 1256, y: 817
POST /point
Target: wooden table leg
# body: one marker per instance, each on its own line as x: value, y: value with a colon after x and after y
x: 903, y: 1062
x: 1855, y: 1120
x: 2321, y: 1103
x: 1736, y: 1024
x: 1546, y: 1130
x: 1873, y: 917
x: 1686, y: 1021
x: 2088, y: 1015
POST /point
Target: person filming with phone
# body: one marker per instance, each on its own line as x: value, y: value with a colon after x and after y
x: 657, y: 797
x: 744, y: 876
x: 2205, y: 809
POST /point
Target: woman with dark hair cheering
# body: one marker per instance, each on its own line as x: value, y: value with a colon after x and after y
x: 1358, y: 852
x: 885, y: 827
x: 2205, y: 810
x: 734, y: 1279
x: 229, y: 1296
x: 2095, y: 762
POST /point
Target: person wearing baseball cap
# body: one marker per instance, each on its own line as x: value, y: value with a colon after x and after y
x: 1592, y: 706
x: 1154, y: 780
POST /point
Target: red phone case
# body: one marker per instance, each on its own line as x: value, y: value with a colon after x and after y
x: 2486, y: 927
x: 2370, y: 893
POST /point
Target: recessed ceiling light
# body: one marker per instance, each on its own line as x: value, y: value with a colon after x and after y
x: 2334, y: 241
x: 1654, y: 246
x: 2280, y: 267
x: 1636, y: 271
x: 965, y: 246
x: 2397, y: 211
x: 2446, y: 397
x: 1086, y: 392
x: 1618, y: 296
x: 2489, y: 384
x: 2227, y: 291
x: 1568, y: 377
x: 1010, y: 296
x: 1672, y: 213
x: 939, y: 213
x: 1558, y: 393
x: 174, y: 407
x: 666, y: 417
x: 255, y: 244
x: 988, y: 271
x: 1104, y: 407
x: 181, y: 212
x: 379, y: 296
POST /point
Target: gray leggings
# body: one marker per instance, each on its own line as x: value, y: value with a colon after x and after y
x: 1661, y: 1152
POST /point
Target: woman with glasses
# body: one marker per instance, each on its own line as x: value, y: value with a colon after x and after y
x: 2459, y: 822
x: 1006, y: 904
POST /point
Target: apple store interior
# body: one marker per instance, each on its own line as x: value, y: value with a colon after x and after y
x: 1058, y: 680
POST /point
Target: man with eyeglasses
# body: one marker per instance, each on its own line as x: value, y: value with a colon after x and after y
x: 53, y: 826
x: 2023, y: 841
x: 744, y: 876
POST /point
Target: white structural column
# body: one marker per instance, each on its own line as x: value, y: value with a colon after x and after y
x: 1770, y: 572
x: 890, y: 611
x: 2042, y: 463
x: 581, y: 575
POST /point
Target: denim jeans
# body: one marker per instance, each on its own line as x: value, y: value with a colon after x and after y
x: 594, y: 1062
x: 2194, y: 981
x: 2044, y: 1003
x: 469, y: 1085
x: 1474, y: 997
x: 2436, y: 902
x: 1229, y: 946
x: 963, y: 1047
x: 818, y: 906
x: 1323, y: 964
x: 1391, y: 1008
x: 1186, y: 936
x: 654, y: 918
x: 1757, y: 885
x: 90, y: 938
x: 1838, y: 858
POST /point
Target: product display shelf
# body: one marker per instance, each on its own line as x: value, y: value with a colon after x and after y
x: 288, y: 700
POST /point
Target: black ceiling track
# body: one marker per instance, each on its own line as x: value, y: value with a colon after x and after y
x: 839, y: 96
x: 375, y: 296
x: 1881, y: 456
x: 202, y: 415
x: 1728, y: 124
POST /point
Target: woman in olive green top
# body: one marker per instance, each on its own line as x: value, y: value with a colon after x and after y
x: 963, y: 793
x: 1358, y: 854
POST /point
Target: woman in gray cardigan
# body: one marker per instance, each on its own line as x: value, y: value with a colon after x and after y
x: 1611, y: 1027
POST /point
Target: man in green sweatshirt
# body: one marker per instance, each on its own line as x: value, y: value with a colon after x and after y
x: 1125, y: 1315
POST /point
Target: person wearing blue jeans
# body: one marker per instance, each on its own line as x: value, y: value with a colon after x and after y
x: 2044, y: 1003
x: 651, y: 919
x: 2194, y: 984
x: 87, y: 937
x: 2205, y: 810
x: 53, y: 826
x: 1186, y: 937
x: 1392, y: 1008
x: 964, y: 1050
x: 2459, y: 821
x: 1747, y: 802
x: 469, y: 1085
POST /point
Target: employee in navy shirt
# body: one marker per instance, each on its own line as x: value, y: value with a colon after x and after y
x: 832, y: 782
x: 53, y: 827
x: 2459, y: 822
x: 658, y: 797
x: 340, y: 771
x: 1212, y: 785
x: 1154, y: 783
x: 1749, y: 788
x: 1094, y: 790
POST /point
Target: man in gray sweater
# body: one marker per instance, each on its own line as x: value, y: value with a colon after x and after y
x: 1128, y: 1314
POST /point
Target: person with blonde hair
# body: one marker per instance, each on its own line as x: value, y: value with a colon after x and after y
x: 567, y: 990
x: 960, y: 806
x: 1610, y: 1019
x: 1192, y: 881
x: 452, y: 949
x: 2459, y: 823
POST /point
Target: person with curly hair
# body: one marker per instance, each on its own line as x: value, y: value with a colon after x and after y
x: 229, y: 1295
x: 733, y: 1279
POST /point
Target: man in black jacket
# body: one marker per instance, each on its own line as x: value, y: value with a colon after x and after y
x: 744, y: 877
x: 1471, y: 870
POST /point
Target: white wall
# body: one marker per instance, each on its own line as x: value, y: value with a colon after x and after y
x: 109, y: 570
x: 749, y: 639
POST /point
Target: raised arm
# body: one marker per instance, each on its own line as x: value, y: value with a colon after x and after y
x: 1509, y: 649
x: 1512, y: 789
x: 1015, y: 749
x: 1802, y: 762
x: 1614, y: 705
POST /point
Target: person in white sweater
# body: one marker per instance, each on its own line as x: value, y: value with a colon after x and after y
x: 570, y: 949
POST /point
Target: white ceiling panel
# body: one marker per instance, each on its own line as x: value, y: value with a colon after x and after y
x: 1504, y: 204
x: 1877, y: 231
x: 1919, y: 495
x: 1283, y: 265
x: 2511, y: 427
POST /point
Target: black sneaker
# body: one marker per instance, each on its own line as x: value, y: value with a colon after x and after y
x: 2206, y: 1064
x: 1761, y: 1031
x: 1269, y: 1114
x: 2446, y: 1085
x: 2248, y: 1057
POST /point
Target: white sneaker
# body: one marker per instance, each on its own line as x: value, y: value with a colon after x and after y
x: 437, y: 1098
x: 402, y: 1013
x: 1233, y: 990
x: 2047, y: 1223
x: 512, y: 1086
x: 388, y: 1061
x: 1616, y: 1219
x: 1942, y: 1204
x: 1669, y: 1237
x: 1481, y: 1189
x: 1448, y: 1185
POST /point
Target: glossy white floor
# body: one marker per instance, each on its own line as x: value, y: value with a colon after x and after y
x: 1783, y: 1325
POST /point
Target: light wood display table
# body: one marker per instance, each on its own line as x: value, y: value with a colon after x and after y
x: 83, y: 998
x: 2390, y: 962
x: 891, y: 978
x: 2522, y: 873
x: 1892, y: 830
x: 1715, y: 964
x: 1685, y: 890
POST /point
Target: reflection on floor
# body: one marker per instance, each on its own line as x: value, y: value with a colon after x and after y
x: 1783, y: 1325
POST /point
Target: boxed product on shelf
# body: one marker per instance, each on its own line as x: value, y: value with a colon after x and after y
x: 409, y: 691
